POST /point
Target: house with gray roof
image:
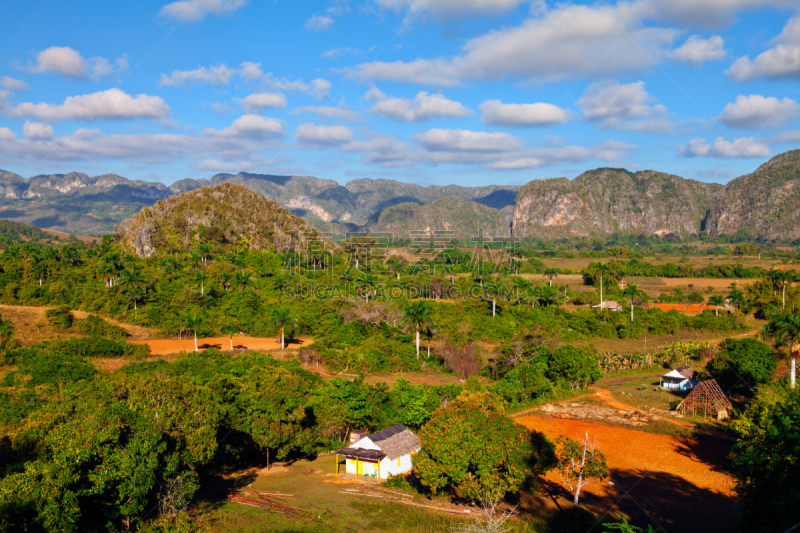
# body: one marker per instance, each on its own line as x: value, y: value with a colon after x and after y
x: 386, y: 453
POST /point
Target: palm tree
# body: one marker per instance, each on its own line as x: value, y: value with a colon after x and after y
x: 551, y: 273
x: 417, y: 316
x: 229, y: 329
x: 193, y: 322
x: 780, y: 278
x: 547, y: 294
x: 737, y: 298
x: 201, y: 277
x: 283, y: 317
x: 242, y: 280
x: 132, y: 278
x: 633, y: 292
x: 716, y: 300
x: 785, y: 329
x: 368, y: 282
x: 600, y: 270
x: 205, y: 252
x: 520, y: 284
x: 136, y: 294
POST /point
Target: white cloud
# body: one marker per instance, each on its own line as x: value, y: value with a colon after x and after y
x: 496, y: 113
x: 321, y: 88
x: 259, y: 101
x: 616, y: 106
x: 250, y: 70
x: 196, y: 10
x: 383, y: 150
x: 318, y: 22
x: 104, y: 105
x: 336, y: 53
x: 37, y: 130
x: 716, y: 14
x: 780, y: 62
x: 543, y: 157
x: 745, y: 147
x: 697, y: 50
x: 10, y: 84
x: 424, y: 107
x: 755, y: 112
x: 71, y: 64
x: 447, y: 8
x: 571, y: 40
x: 323, y: 136
x: 249, y: 126
x: 216, y: 75
x: 447, y: 140
x: 328, y: 111
x: 222, y: 108
x: 7, y: 135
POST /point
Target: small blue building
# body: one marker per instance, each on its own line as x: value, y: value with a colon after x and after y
x: 680, y: 379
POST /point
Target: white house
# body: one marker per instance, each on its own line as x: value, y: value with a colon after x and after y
x: 680, y: 379
x: 387, y: 452
x: 610, y: 304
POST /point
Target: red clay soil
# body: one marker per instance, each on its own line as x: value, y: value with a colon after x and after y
x: 674, y: 484
x: 170, y: 346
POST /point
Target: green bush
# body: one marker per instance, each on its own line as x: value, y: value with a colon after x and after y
x: 742, y: 365
x: 60, y: 317
x: 94, y: 326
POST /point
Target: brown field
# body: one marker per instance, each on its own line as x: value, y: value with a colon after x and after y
x: 67, y: 236
x: 172, y: 346
x: 674, y: 484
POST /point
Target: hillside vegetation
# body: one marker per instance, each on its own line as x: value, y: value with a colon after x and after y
x: 464, y: 219
x: 223, y: 213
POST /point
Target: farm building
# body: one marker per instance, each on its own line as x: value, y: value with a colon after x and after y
x: 377, y: 456
x: 614, y: 306
x: 707, y: 397
x: 679, y: 379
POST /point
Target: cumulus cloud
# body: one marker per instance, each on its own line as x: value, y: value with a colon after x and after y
x: 626, y: 107
x: 448, y: 140
x: 496, y: 113
x: 7, y: 135
x: 448, y: 8
x: 112, y: 104
x: 380, y: 149
x: 37, y: 130
x: 578, y: 40
x: 779, y: 62
x: 543, y: 157
x: 317, y: 136
x: 336, y: 53
x: 744, y: 147
x: 222, y: 108
x: 713, y: 14
x: 697, y: 51
x: 71, y: 64
x: 249, y: 126
x: 318, y: 22
x: 423, y: 107
x: 197, y: 10
x: 328, y: 111
x: 10, y: 84
x: 216, y: 75
x: 259, y: 101
x: 756, y: 112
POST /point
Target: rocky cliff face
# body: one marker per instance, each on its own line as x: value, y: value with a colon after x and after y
x: 607, y: 200
x: 763, y: 204
x: 222, y: 213
x: 464, y: 219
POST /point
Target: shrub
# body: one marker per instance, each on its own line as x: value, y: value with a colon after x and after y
x: 578, y: 367
x: 462, y: 359
x: 60, y: 317
x: 94, y: 326
x: 742, y: 365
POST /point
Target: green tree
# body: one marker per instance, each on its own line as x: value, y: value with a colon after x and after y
x: 471, y: 448
x: 416, y: 317
x: 632, y: 292
x: 578, y: 367
x: 766, y: 459
x: 717, y: 301
x: 742, y: 365
x: 580, y: 462
x: 551, y: 273
x: 193, y: 322
x: 136, y: 294
x: 283, y: 317
x: 230, y: 330
x: 242, y: 280
x: 785, y: 329
x: 201, y: 277
x: 600, y: 271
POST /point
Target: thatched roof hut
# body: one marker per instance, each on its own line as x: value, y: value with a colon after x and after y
x: 707, y: 397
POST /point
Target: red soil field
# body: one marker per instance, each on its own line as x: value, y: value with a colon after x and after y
x: 170, y: 346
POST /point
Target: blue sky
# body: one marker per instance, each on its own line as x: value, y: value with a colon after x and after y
x: 471, y: 92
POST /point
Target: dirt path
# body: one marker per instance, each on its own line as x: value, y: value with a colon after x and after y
x: 672, y: 483
x: 170, y: 346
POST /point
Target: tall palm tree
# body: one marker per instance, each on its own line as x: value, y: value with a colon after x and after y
x: 132, y: 278
x: 416, y: 317
x: 242, y: 280
x: 229, y: 329
x: 136, y: 294
x: 193, y: 322
x: 551, y: 273
x: 785, y: 329
x: 520, y: 285
x: 633, y: 292
x: 716, y: 300
x: 780, y: 279
x: 201, y: 277
x: 600, y: 270
x: 283, y: 317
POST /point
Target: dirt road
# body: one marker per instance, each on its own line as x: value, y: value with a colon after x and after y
x: 170, y: 346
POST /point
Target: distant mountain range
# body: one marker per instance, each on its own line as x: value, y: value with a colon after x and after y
x: 763, y: 204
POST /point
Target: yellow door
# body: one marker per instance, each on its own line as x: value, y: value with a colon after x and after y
x: 359, y: 468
